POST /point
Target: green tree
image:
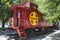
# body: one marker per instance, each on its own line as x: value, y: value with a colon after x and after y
x: 5, y: 6
x: 51, y: 8
x: 4, y: 11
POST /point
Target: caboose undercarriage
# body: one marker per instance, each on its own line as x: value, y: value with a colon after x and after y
x: 29, y: 32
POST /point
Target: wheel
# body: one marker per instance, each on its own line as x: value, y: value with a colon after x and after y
x: 56, y: 25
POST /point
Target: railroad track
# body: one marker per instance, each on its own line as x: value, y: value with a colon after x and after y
x: 12, y: 35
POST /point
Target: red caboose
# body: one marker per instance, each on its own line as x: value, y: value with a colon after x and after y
x: 27, y: 18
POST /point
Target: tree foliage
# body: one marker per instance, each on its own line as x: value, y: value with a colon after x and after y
x: 51, y: 8
x: 5, y: 6
x: 4, y: 11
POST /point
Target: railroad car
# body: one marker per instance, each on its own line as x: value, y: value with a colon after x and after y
x: 27, y: 19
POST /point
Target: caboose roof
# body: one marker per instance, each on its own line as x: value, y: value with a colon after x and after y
x: 26, y: 5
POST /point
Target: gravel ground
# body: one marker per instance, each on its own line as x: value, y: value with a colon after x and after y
x: 3, y: 37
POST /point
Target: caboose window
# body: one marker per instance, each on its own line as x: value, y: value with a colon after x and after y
x: 34, y: 7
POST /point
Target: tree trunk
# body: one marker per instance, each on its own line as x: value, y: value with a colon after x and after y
x: 3, y: 24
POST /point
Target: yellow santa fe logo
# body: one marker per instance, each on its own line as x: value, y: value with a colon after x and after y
x: 33, y: 18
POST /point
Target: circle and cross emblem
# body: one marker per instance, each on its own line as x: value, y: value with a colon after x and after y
x: 33, y: 18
